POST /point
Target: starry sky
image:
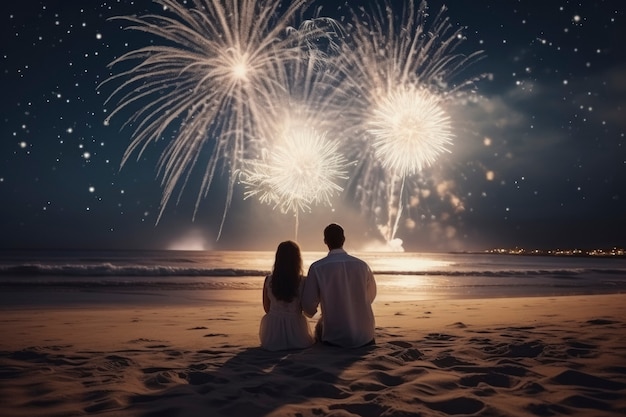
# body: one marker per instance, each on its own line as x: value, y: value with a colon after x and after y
x: 539, y: 157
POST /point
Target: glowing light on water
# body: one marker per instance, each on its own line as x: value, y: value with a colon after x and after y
x: 403, y: 263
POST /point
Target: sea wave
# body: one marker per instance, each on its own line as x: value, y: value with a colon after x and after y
x: 112, y: 270
x: 163, y: 279
x: 107, y: 269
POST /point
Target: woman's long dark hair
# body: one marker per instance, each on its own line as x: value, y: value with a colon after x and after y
x: 287, y: 271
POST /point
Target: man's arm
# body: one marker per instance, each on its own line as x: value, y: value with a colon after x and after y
x: 310, y: 294
x: 371, y: 286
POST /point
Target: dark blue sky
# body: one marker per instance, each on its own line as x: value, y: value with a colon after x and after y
x: 539, y: 160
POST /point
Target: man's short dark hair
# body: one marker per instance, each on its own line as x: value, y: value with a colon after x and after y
x: 333, y: 236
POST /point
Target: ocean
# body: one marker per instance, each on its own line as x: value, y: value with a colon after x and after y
x: 72, y: 276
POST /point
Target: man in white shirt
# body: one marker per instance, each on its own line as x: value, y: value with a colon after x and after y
x: 344, y: 287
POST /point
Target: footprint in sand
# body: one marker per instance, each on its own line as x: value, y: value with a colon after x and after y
x: 462, y: 405
x: 571, y: 377
x: 406, y: 353
x: 440, y: 337
x: 115, y: 363
x: 601, y: 322
x: 400, y: 343
x: 492, y: 379
x: 581, y: 350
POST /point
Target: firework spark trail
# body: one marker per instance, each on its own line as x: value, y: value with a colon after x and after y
x: 208, y: 79
x: 400, y: 77
x: 309, y: 98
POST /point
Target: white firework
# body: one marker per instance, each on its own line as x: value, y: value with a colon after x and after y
x: 400, y: 69
x: 301, y: 170
x: 233, y: 87
x: 410, y: 129
x: 207, y: 80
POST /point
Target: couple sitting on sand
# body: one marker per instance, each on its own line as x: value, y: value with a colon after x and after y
x: 342, y: 285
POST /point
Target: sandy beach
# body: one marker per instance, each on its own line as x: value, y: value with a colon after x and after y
x: 534, y: 356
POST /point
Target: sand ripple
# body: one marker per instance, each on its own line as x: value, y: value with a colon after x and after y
x: 500, y: 371
x: 555, y: 368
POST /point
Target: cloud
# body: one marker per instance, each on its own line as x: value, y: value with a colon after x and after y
x: 602, y: 96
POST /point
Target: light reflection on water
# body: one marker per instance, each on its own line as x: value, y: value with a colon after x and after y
x: 406, y: 262
x: 444, y: 275
x: 387, y: 262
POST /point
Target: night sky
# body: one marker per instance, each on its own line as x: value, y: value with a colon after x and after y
x: 538, y: 160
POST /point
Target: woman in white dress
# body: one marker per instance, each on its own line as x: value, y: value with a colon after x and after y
x: 284, y: 326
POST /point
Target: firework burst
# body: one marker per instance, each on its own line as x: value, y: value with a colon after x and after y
x: 301, y: 170
x: 409, y: 130
x: 300, y: 167
x: 208, y: 78
x: 401, y: 77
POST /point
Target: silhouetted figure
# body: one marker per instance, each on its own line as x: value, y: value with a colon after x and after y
x: 344, y: 287
x: 284, y: 326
